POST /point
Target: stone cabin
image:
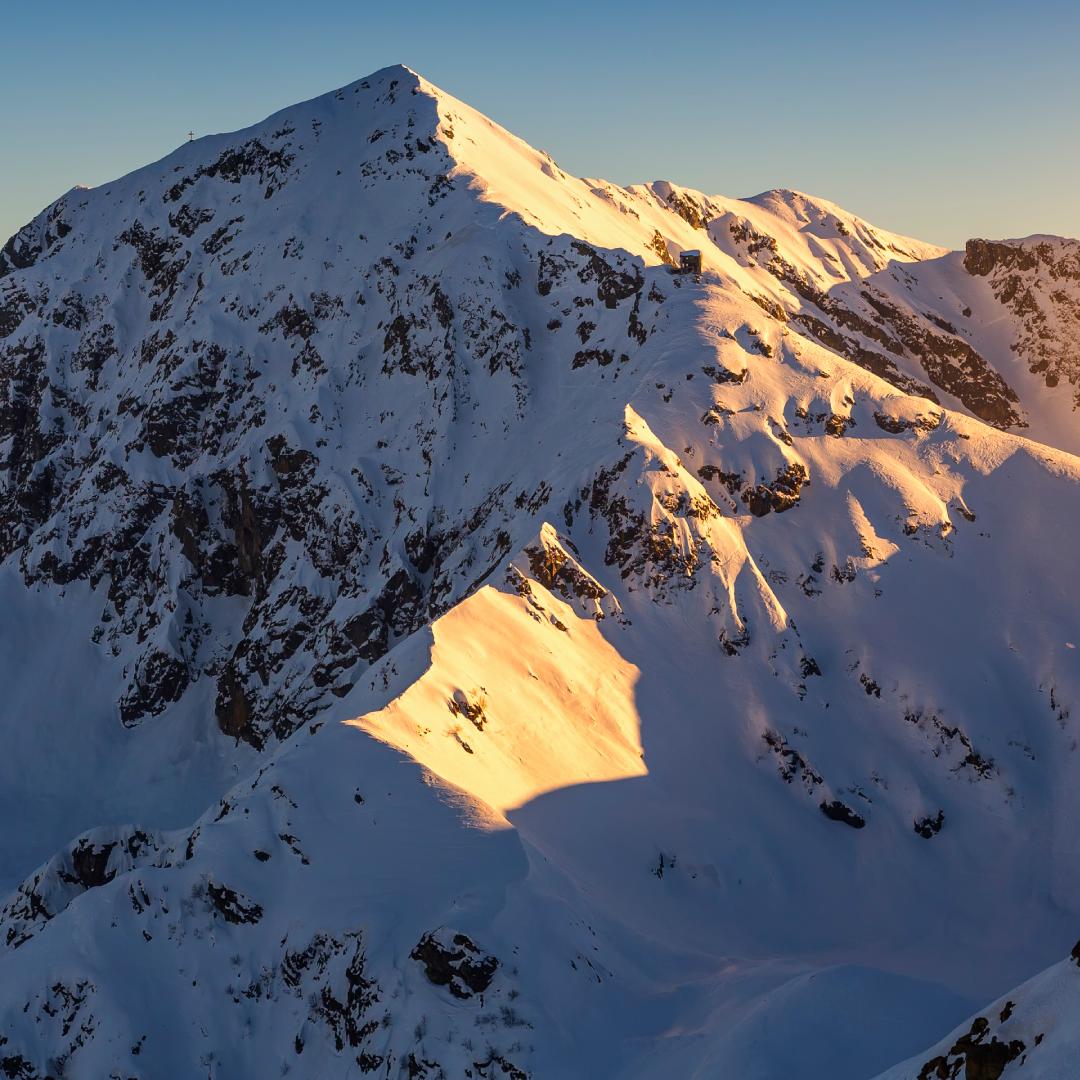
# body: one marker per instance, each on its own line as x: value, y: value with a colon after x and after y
x: 690, y: 262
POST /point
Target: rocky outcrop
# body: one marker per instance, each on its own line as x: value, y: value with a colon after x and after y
x: 836, y: 810
x: 454, y: 961
x: 1038, y: 282
x: 92, y: 861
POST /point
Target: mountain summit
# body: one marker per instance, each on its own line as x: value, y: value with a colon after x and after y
x: 443, y: 639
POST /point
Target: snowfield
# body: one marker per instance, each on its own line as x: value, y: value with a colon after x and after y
x: 441, y: 640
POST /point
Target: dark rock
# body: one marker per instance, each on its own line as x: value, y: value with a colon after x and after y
x: 460, y: 965
x: 838, y: 811
x: 928, y: 827
x: 233, y: 907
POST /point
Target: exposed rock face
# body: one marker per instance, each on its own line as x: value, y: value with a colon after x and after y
x: 981, y: 256
x: 93, y: 861
x: 980, y: 1060
x: 1038, y: 282
x: 553, y: 562
x: 868, y: 326
x: 456, y: 963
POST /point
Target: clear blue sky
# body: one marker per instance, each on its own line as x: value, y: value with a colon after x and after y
x: 943, y: 120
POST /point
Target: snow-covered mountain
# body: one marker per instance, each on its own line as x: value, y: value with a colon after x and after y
x: 443, y: 640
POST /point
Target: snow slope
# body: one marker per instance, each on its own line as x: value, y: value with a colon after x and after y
x: 1031, y: 1031
x: 447, y: 642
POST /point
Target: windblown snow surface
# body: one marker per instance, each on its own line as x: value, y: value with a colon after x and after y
x: 440, y: 640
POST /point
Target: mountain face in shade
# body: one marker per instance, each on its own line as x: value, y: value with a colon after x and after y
x: 443, y: 640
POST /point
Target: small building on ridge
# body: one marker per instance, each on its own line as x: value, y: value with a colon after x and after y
x: 690, y: 262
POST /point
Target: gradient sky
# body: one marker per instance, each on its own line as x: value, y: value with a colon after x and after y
x: 941, y: 120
